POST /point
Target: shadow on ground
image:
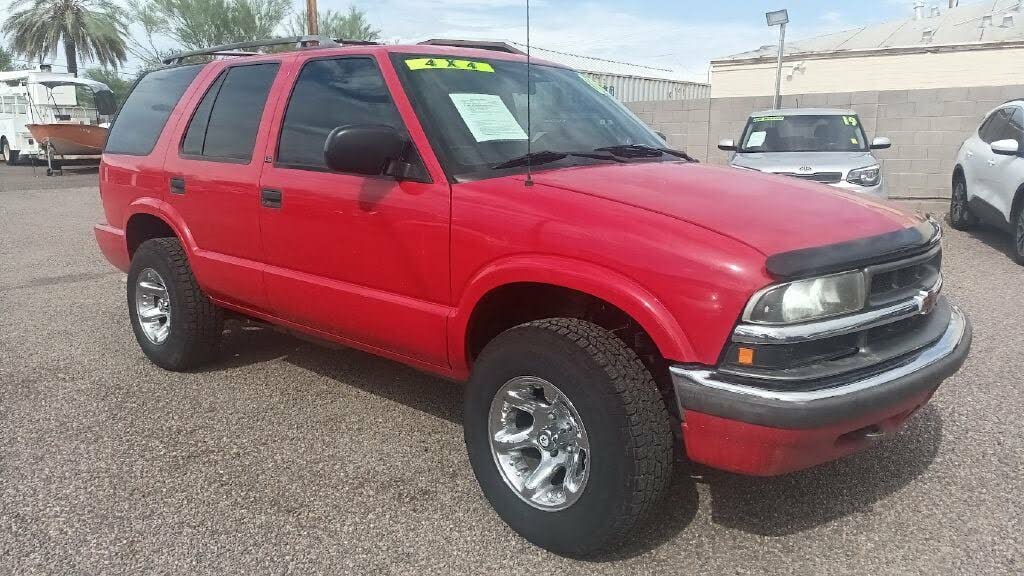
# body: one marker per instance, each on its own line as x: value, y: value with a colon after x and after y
x: 999, y: 240
x: 764, y: 506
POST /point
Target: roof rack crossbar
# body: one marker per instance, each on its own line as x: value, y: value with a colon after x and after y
x: 241, y: 48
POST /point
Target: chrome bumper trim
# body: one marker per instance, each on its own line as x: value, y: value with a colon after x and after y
x: 930, y: 355
x: 796, y: 333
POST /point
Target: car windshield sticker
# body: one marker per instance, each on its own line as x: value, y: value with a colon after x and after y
x: 487, y: 117
x: 850, y: 120
x: 770, y: 119
x: 756, y: 139
x: 447, y: 64
x: 593, y: 83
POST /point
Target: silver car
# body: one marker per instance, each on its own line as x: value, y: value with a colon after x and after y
x: 825, y: 145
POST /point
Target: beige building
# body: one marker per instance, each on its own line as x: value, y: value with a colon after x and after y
x: 977, y: 44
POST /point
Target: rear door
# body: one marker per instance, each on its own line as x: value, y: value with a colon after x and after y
x: 989, y: 163
x: 213, y: 173
x: 1008, y: 171
x: 363, y: 258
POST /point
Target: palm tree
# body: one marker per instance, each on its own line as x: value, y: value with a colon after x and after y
x: 351, y: 26
x: 94, y: 29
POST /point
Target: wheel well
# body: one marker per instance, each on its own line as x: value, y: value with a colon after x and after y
x: 1018, y: 203
x: 142, y: 227
x: 514, y: 304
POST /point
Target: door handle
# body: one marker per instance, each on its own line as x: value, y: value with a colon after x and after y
x: 270, y: 198
x: 991, y: 162
x: 177, y: 185
x: 970, y: 154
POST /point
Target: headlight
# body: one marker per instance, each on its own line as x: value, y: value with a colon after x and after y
x: 869, y: 176
x: 808, y: 299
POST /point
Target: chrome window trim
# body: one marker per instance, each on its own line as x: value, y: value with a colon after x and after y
x: 837, y: 326
x: 930, y: 355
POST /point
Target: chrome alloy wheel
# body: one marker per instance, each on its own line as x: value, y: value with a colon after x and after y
x: 153, y: 305
x: 539, y: 443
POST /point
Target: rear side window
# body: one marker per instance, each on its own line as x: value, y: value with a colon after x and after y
x: 226, y: 121
x: 1016, y: 131
x: 996, y: 126
x: 142, y: 117
x: 328, y: 94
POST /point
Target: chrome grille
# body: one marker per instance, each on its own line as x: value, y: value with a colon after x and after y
x: 823, y: 177
x: 903, y: 279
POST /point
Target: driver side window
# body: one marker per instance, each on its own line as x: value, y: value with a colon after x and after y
x: 328, y: 94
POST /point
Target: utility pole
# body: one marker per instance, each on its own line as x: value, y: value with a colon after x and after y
x: 312, y: 24
x: 779, y: 18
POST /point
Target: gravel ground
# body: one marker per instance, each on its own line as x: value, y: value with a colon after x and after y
x: 289, y: 458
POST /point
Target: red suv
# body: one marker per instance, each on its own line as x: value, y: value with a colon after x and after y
x: 463, y: 212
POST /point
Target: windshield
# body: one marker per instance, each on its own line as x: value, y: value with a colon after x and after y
x: 817, y: 133
x: 474, y: 112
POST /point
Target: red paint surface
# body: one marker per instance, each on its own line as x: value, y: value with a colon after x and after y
x: 396, y: 268
x: 762, y: 451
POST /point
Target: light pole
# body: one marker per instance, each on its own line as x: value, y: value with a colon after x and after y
x: 779, y: 18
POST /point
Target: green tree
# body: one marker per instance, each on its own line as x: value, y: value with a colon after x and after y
x: 197, y: 24
x: 117, y: 84
x: 6, y: 60
x: 351, y: 26
x: 92, y: 29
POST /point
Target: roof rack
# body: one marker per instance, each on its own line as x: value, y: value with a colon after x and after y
x: 242, y: 48
x: 479, y: 44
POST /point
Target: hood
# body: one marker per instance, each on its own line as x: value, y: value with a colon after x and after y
x: 804, y: 162
x: 771, y: 214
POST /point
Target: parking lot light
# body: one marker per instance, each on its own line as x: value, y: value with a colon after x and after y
x: 779, y: 18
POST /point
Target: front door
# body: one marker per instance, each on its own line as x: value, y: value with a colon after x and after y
x: 213, y: 179
x: 362, y: 258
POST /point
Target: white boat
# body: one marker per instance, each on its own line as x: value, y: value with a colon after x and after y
x: 42, y: 115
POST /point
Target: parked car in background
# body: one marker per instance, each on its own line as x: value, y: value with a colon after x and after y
x: 988, y: 180
x: 819, y: 144
x: 605, y: 297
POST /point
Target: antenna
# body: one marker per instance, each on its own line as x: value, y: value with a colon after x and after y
x: 529, y: 88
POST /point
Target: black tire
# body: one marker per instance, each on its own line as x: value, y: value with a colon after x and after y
x: 10, y: 157
x: 960, y: 216
x: 1018, y: 237
x: 623, y: 414
x: 196, y: 323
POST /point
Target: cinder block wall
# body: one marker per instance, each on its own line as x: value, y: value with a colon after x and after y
x: 926, y: 127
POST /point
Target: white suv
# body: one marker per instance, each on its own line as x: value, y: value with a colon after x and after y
x: 988, y: 181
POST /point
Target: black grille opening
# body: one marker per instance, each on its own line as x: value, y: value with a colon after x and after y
x: 823, y: 177
x: 891, y: 284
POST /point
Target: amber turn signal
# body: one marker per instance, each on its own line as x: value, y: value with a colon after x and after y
x: 745, y: 356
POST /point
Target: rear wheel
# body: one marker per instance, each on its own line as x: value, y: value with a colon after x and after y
x: 960, y: 216
x: 7, y: 156
x: 567, y: 434
x: 176, y: 325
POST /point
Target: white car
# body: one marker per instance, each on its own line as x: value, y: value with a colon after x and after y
x: 988, y: 181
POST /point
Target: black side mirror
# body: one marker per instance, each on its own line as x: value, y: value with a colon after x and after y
x: 368, y: 149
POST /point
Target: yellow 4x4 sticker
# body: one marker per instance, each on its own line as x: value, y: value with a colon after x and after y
x: 447, y: 64
x: 850, y: 120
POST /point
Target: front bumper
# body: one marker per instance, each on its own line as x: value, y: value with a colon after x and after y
x: 878, y: 190
x: 764, y: 431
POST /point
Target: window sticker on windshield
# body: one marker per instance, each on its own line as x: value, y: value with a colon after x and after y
x: 756, y: 139
x: 770, y: 119
x: 448, y: 64
x: 487, y: 117
x: 593, y: 83
x: 850, y: 120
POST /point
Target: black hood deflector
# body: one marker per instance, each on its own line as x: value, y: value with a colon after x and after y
x: 854, y: 254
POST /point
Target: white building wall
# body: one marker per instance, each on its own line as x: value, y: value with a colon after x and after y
x: 820, y: 75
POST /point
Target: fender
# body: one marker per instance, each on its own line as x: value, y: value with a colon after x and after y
x: 598, y: 281
x: 167, y: 213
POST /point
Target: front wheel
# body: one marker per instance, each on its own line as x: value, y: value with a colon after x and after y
x: 176, y: 325
x: 1018, y: 238
x: 567, y: 434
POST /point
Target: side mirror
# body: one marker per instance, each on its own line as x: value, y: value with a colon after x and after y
x: 1006, y: 147
x: 367, y: 149
x: 881, y: 143
x: 728, y: 145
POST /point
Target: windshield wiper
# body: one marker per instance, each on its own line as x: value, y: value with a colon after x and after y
x: 547, y: 156
x: 641, y: 151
